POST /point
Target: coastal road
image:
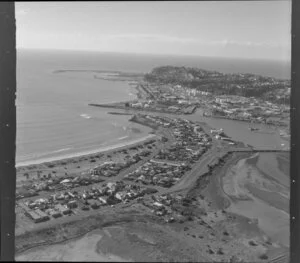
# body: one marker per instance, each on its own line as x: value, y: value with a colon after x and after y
x: 199, y: 169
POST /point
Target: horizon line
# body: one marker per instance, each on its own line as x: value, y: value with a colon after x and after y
x: 149, y: 54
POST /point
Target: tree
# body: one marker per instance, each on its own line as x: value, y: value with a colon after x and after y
x: 235, y: 259
x: 26, y: 175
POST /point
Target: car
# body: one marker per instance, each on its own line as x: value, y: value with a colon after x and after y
x: 85, y: 208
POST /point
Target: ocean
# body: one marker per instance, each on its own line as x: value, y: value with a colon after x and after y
x: 53, y: 116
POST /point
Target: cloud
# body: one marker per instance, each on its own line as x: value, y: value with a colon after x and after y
x: 150, y: 37
x: 227, y: 42
x: 195, y: 41
x: 22, y: 12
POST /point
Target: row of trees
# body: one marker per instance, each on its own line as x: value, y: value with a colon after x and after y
x: 39, y: 175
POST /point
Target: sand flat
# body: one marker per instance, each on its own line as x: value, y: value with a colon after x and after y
x: 266, y: 163
x: 82, y: 249
x: 245, y: 180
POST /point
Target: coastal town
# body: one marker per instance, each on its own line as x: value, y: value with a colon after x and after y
x: 164, y: 169
x: 242, y: 97
x: 162, y: 175
x: 149, y: 131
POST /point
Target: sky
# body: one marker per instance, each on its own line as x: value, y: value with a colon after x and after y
x: 235, y: 29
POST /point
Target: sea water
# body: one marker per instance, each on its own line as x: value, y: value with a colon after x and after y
x: 53, y: 116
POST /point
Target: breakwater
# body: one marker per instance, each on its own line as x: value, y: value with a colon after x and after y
x: 272, y: 123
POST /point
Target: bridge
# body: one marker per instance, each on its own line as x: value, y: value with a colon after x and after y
x: 263, y: 150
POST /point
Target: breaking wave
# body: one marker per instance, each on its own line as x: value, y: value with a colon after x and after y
x: 86, y: 116
x: 122, y: 138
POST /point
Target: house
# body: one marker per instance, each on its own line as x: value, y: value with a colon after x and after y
x: 64, y: 210
x: 173, y: 108
x: 53, y: 213
x: 65, y: 181
x: 103, y: 200
x: 158, y: 205
x: 136, y: 105
x: 95, y: 204
x: 111, y: 188
x: 216, y: 131
x: 56, y: 214
x: 71, y: 195
x: 60, y: 197
x: 72, y: 204
x: 32, y: 205
x: 38, y: 215
x: 32, y: 215
x: 246, y: 114
x: 111, y: 200
x: 170, y: 97
x: 121, y: 195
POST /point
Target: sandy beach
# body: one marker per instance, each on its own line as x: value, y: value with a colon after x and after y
x: 86, y: 153
x: 80, y: 163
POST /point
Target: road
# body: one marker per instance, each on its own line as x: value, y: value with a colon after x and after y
x: 198, y: 169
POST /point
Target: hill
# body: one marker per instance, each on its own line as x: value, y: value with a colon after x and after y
x: 248, y: 85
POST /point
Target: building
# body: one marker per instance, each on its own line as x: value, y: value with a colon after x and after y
x: 37, y: 215
x: 103, y: 200
x: 136, y: 105
x: 216, y: 131
x: 32, y: 215
x: 55, y: 214
x: 95, y: 204
x: 158, y: 205
x: 173, y: 108
x: 64, y: 210
x: 72, y: 204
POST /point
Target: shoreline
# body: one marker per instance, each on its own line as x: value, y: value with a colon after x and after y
x: 40, y: 161
x: 83, y: 154
x: 270, y: 124
x: 244, y: 192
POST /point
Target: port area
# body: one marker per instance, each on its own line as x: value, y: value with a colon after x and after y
x: 160, y: 200
x: 168, y: 98
x: 134, y: 106
x: 149, y: 99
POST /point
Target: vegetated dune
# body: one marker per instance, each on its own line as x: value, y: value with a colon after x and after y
x: 128, y: 242
x: 82, y: 249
